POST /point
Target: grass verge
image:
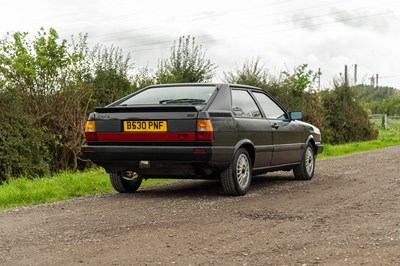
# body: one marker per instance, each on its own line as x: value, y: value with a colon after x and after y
x: 387, y: 138
x: 24, y: 191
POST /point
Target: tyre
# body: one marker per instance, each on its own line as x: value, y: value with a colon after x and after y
x: 305, y: 170
x: 236, y: 178
x: 124, y: 184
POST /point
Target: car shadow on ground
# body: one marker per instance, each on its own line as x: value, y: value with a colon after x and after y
x: 209, y: 188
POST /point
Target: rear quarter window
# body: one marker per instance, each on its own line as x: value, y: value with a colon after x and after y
x: 243, y: 105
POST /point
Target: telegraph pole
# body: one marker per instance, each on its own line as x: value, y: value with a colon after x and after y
x: 319, y: 79
x: 372, y: 79
x: 355, y: 74
x: 346, y: 80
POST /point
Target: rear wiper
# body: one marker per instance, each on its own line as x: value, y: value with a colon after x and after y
x: 183, y: 100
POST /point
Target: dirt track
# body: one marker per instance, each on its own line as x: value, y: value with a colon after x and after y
x: 348, y: 215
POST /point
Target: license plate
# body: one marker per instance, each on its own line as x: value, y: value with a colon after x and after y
x: 145, y: 126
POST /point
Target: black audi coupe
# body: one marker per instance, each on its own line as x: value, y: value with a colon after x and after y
x: 203, y: 131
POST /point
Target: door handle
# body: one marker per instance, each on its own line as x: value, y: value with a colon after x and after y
x: 275, y: 125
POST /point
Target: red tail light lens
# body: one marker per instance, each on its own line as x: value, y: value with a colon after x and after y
x: 204, y: 130
x: 90, y: 131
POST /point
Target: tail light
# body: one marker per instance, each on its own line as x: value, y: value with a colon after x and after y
x: 90, y: 131
x: 204, y: 130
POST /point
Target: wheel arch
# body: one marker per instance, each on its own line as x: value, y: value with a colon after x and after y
x: 249, y: 146
x: 311, y: 140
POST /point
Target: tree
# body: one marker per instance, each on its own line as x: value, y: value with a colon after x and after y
x: 381, y: 100
x: 345, y: 119
x: 110, y: 78
x: 252, y: 73
x: 143, y: 78
x: 296, y: 88
x: 187, y: 63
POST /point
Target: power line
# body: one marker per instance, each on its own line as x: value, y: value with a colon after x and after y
x: 224, y: 13
x: 280, y: 30
x: 196, y: 18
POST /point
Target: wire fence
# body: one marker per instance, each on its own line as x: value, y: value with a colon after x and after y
x: 385, y: 121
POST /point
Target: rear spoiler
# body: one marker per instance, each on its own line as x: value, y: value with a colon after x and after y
x: 149, y: 108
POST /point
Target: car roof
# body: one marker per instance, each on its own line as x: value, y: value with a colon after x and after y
x: 206, y: 84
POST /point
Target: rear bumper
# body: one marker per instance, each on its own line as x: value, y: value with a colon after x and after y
x: 160, y: 160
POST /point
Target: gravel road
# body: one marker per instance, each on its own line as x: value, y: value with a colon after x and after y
x: 349, y: 214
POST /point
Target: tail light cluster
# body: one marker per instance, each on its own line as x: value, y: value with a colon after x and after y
x: 90, y: 131
x: 204, y: 130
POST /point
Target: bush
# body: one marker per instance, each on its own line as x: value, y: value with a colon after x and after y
x: 53, y: 79
x: 21, y: 149
x: 345, y: 119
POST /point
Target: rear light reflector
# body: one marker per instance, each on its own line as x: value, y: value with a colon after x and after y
x: 150, y: 136
x: 90, y: 136
x: 88, y: 149
x: 199, y: 150
x: 204, y: 130
x: 183, y: 136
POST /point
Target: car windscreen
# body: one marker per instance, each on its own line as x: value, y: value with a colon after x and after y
x: 194, y: 95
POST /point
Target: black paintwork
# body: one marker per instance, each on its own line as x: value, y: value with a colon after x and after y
x: 273, y: 144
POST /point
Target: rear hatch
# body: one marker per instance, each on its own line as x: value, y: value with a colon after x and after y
x: 157, y: 115
x: 150, y: 125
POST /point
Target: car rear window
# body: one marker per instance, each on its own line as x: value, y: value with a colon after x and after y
x: 195, y: 95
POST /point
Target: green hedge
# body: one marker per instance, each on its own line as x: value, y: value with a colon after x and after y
x: 21, y: 148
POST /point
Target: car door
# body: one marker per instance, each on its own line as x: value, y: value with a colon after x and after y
x: 251, y: 125
x: 286, y: 134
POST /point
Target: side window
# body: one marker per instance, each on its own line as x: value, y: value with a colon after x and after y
x: 243, y: 104
x: 271, y: 109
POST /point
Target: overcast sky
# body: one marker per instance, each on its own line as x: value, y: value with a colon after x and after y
x: 325, y: 34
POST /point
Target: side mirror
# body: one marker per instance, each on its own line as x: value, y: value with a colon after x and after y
x: 296, y: 115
